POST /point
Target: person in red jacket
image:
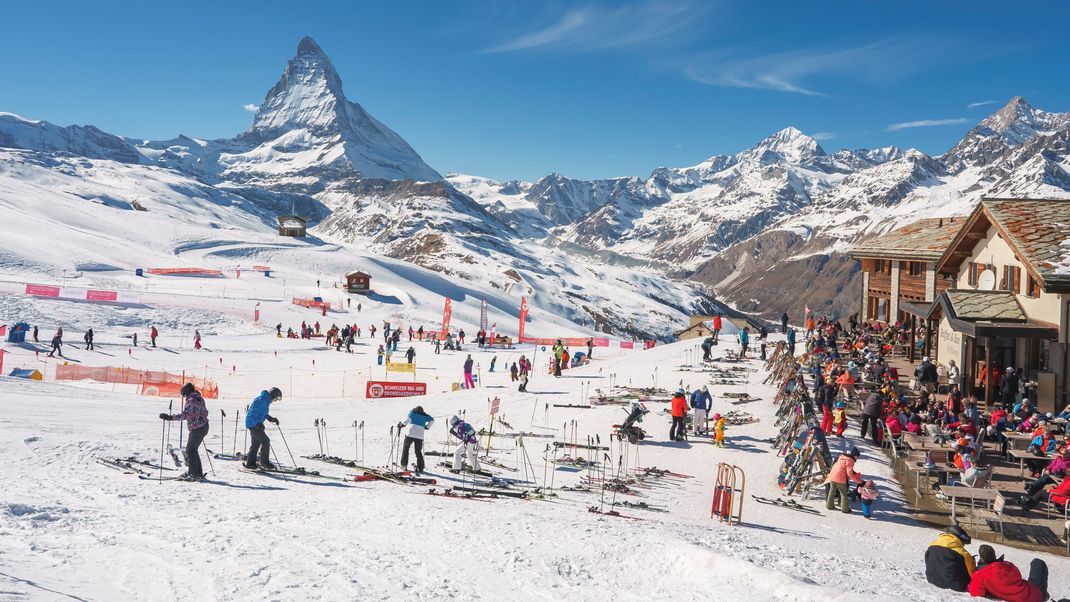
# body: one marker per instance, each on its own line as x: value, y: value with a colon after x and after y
x: 679, y: 416
x: 999, y: 579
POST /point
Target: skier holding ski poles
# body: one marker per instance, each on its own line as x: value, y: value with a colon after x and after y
x: 260, y: 448
x: 418, y: 422
x: 195, y: 413
x: 468, y: 444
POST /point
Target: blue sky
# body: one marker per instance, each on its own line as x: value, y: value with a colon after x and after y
x: 515, y: 90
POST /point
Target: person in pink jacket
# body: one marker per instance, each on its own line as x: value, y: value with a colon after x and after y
x: 842, y: 470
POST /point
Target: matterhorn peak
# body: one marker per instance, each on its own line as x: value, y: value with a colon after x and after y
x: 308, y: 111
x: 309, y: 47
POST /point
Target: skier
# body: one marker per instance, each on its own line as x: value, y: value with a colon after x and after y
x: 493, y: 361
x: 358, y: 307
x: 35, y: 334
x: 89, y: 340
x: 590, y: 348
x: 791, y: 342
x: 57, y: 343
x: 763, y: 336
x: 254, y: 421
x: 196, y: 339
x: 744, y: 341
x: 410, y: 354
x: 195, y: 414
x: 278, y: 330
x: 716, y: 327
x: 469, y: 445
x: 380, y: 354
x: 418, y: 422
x: 513, y: 372
x: 438, y: 346
x: 153, y: 334
x: 420, y: 333
x: 135, y: 339
x: 411, y: 333
x: 469, y: 382
x: 679, y: 416
x: 701, y: 402
x: 460, y: 338
x: 784, y: 323
x: 842, y: 471
x: 707, y: 347
x: 559, y: 353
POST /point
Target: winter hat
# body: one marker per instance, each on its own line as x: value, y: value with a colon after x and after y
x: 959, y: 532
x: 986, y: 554
x: 705, y: 389
x: 419, y: 410
x: 716, y: 416
x: 187, y: 389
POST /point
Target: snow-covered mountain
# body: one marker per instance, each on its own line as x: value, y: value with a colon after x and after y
x: 771, y: 224
x: 761, y: 228
x: 312, y: 150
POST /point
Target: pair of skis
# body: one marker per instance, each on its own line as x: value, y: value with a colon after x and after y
x: 786, y: 503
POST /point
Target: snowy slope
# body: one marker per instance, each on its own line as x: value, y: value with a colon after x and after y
x: 72, y: 527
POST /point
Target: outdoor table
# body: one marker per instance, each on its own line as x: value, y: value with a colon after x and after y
x: 919, y: 469
x: 1023, y: 455
x: 924, y: 444
x: 972, y: 493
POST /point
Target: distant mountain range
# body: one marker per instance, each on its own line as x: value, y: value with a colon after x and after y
x: 763, y: 229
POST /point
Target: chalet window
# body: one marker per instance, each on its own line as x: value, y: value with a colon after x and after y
x: 1032, y: 287
x: 1012, y: 278
x: 917, y: 268
x: 878, y: 267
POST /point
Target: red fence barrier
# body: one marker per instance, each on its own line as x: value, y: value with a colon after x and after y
x: 184, y: 271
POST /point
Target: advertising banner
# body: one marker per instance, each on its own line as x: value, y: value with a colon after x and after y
x: 378, y: 389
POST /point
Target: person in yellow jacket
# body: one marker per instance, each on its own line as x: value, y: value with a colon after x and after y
x: 948, y: 565
x: 719, y: 423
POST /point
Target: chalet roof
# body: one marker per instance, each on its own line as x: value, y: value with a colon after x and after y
x: 986, y: 306
x: 1039, y: 229
x: 925, y: 239
x: 358, y: 273
x: 284, y: 218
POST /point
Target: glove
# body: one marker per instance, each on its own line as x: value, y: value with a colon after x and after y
x: 401, y: 425
x: 165, y: 416
x: 273, y: 420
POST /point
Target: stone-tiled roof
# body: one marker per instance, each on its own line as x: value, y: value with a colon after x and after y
x: 1039, y: 229
x: 986, y: 306
x: 925, y: 239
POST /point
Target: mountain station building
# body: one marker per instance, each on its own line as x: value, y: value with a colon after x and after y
x: 997, y: 294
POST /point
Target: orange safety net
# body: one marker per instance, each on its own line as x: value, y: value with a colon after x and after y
x: 148, y: 379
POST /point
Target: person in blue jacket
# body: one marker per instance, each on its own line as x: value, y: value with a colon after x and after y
x: 701, y: 402
x: 418, y: 422
x: 254, y: 421
x: 744, y: 341
x: 791, y: 342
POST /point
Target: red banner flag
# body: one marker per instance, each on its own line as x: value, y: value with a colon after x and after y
x: 523, y: 317
x: 447, y: 311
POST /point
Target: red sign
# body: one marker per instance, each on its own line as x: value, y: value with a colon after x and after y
x: 495, y: 406
x: 92, y: 295
x: 41, y: 290
x: 378, y: 389
x: 523, y: 317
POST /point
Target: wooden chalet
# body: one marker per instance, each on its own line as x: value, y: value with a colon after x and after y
x: 359, y: 282
x: 292, y: 225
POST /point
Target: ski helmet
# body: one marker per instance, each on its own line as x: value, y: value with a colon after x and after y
x: 275, y: 394
x: 453, y: 421
x: 187, y: 389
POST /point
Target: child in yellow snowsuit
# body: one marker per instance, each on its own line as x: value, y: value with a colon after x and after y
x: 839, y: 417
x: 719, y: 423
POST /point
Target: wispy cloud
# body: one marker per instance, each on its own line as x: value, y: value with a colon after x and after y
x: 981, y: 103
x: 880, y: 62
x: 589, y: 27
x: 250, y: 107
x: 823, y: 136
x: 925, y: 123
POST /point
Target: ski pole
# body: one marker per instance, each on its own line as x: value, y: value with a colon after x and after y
x: 222, y: 434
x: 362, y: 442
x: 163, y: 432
x: 208, y: 455
x: 234, y: 450
x: 286, y: 444
x: 319, y: 436
x: 602, y: 503
x: 326, y: 443
x: 390, y: 458
x: 245, y: 437
x: 356, y: 439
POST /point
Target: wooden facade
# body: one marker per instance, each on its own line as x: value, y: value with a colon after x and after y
x: 358, y: 282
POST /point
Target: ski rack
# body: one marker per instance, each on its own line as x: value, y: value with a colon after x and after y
x: 725, y: 493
